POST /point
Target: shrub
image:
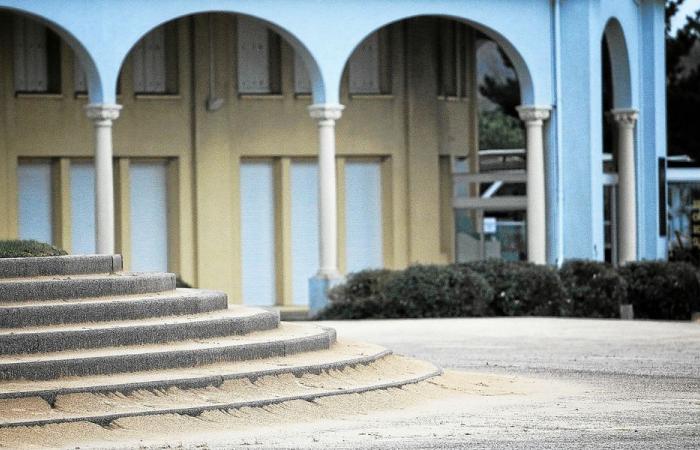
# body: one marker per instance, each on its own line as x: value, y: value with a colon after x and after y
x: 437, y: 291
x: 686, y: 254
x: 359, y: 297
x: 594, y: 289
x: 521, y: 288
x: 23, y: 249
x: 662, y: 290
x: 419, y: 291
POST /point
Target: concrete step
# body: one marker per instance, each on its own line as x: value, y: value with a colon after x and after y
x: 59, y: 265
x: 284, y: 340
x: 56, y: 338
x: 81, y: 286
x: 98, y: 309
x: 385, y: 373
x: 340, y: 355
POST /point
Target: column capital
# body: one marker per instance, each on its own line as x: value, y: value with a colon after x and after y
x: 534, y: 114
x: 102, y: 112
x: 625, y: 116
x: 326, y: 111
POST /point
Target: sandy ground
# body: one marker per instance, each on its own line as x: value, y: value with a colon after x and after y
x: 513, y: 383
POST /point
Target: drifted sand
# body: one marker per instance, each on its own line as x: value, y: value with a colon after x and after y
x: 337, y: 420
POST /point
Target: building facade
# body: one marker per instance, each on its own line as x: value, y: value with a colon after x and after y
x: 250, y: 146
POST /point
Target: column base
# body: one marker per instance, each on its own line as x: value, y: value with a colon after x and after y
x: 319, y: 286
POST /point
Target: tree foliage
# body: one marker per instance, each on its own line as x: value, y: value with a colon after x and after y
x: 503, y: 92
x: 683, y: 84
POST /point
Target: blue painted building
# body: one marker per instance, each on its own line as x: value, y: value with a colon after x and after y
x: 591, y: 85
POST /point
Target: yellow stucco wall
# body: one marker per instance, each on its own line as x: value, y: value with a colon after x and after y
x: 407, y: 131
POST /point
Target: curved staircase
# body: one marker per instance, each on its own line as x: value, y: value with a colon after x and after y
x: 81, y: 340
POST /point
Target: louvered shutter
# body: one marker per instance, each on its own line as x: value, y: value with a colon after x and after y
x: 149, y: 63
x: 302, y: 82
x: 253, y: 57
x: 79, y: 79
x: 30, y: 56
x: 364, y: 67
x: 363, y: 216
x: 258, y: 232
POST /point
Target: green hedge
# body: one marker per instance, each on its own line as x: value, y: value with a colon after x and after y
x: 23, y: 249
x: 658, y: 290
x: 662, y: 290
x: 690, y: 255
x: 361, y: 296
x: 437, y: 291
x: 419, y: 291
x: 594, y: 289
x: 521, y: 288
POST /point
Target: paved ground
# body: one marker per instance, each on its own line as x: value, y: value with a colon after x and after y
x: 511, y: 383
x: 613, y: 383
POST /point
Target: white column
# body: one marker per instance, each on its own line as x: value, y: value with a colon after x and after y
x: 627, y: 204
x: 534, y: 117
x: 326, y: 115
x: 102, y: 116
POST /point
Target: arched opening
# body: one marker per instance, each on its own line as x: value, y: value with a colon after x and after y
x: 449, y: 91
x: 615, y: 97
x: 218, y: 101
x: 47, y: 136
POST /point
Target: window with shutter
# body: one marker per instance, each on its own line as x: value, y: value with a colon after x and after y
x: 155, y: 62
x: 37, y: 58
x: 302, y: 81
x: 79, y: 78
x: 304, y: 224
x: 258, y: 58
x: 82, y: 207
x: 363, y: 215
x: 369, y: 65
x: 35, y: 193
x: 258, y: 232
x: 148, y: 215
x: 452, y: 64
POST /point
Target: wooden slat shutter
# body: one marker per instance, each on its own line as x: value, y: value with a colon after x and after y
x: 364, y: 67
x: 149, y: 63
x: 79, y: 78
x: 253, y: 57
x: 30, y: 56
x: 302, y: 81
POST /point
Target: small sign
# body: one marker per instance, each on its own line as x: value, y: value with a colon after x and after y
x: 490, y: 225
x: 695, y: 221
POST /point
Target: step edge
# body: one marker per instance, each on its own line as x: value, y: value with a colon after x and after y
x: 197, y: 382
x: 21, y: 290
x: 59, y: 265
x: 120, y: 325
x: 172, y: 295
x: 316, y: 341
x: 235, y: 325
x: 107, y: 419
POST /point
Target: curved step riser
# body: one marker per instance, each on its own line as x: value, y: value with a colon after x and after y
x: 46, y: 370
x: 105, y: 419
x: 82, y: 288
x: 27, y: 316
x: 201, y: 382
x: 136, y: 335
x: 59, y: 265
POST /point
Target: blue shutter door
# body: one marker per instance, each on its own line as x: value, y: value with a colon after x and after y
x: 35, y: 197
x: 363, y: 216
x: 82, y: 199
x: 304, y: 185
x: 258, y: 232
x: 149, y: 216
